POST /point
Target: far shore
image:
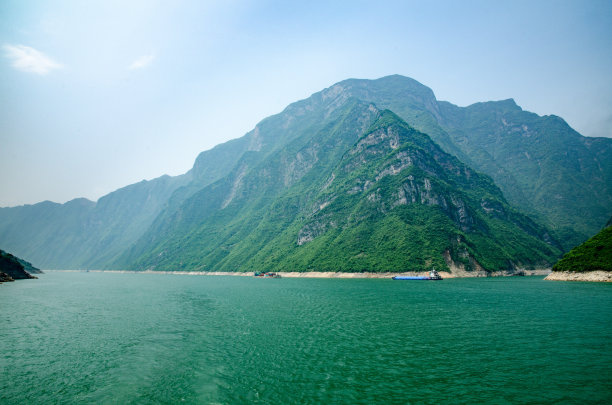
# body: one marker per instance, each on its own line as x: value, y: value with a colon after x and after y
x: 327, y: 274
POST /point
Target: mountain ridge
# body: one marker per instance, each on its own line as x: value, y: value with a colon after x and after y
x: 456, y: 130
x: 276, y: 232
x: 415, y: 103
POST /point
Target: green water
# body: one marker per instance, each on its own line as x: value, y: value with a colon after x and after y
x: 142, y: 338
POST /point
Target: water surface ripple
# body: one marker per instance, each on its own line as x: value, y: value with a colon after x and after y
x: 73, y: 337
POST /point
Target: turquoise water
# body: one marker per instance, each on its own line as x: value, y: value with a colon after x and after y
x: 142, y: 338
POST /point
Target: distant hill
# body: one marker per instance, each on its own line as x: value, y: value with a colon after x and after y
x: 594, y: 254
x: 82, y: 233
x: 12, y: 268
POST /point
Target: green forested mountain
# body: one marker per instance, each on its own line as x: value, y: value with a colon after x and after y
x: 594, y: 254
x: 541, y: 164
x: 366, y: 193
x: 252, y: 202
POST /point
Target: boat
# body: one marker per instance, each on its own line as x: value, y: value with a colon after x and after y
x: 433, y: 275
x: 262, y: 274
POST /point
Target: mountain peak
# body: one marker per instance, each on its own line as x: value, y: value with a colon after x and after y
x: 393, y: 85
x: 505, y: 105
x: 509, y: 102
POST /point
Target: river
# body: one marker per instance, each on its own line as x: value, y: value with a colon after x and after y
x: 77, y: 337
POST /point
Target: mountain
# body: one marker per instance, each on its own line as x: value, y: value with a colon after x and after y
x: 592, y: 255
x: 365, y: 193
x: 81, y: 233
x: 541, y: 164
x: 256, y: 187
x: 11, y: 268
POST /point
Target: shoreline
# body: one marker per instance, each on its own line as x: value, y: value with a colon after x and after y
x: 597, y: 276
x: 325, y: 274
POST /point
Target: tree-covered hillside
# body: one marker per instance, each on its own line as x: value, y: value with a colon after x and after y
x: 367, y: 193
x: 594, y: 254
x: 541, y: 164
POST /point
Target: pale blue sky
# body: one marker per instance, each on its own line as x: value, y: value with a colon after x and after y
x: 96, y: 95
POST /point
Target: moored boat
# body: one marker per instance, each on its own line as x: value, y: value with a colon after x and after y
x: 433, y: 275
x: 262, y: 274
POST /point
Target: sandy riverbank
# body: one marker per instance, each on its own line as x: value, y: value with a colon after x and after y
x: 444, y: 274
x: 595, y: 276
x: 329, y: 274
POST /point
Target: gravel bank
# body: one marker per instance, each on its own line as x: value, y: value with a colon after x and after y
x: 596, y: 276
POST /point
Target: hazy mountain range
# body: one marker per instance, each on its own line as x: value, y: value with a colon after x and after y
x: 367, y: 175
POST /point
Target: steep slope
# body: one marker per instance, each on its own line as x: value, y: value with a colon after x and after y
x: 366, y: 193
x: 563, y: 177
x: 412, y: 101
x: 84, y: 234
x: 541, y: 164
x: 210, y: 220
x: 300, y: 120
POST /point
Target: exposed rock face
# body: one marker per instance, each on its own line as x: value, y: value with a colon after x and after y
x: 597, y: 276
x: 529, y: 157
x: 458, y: 269
x: 394, y: 177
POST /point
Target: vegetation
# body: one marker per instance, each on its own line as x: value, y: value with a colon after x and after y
x: 594, y: 254
x: 541, y: 164
x: 11, y: 268
x: 301, y: 192
x: 387, y: 200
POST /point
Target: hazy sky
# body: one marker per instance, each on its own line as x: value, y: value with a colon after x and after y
x: 96, y: 95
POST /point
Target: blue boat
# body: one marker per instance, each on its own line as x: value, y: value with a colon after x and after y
x: 433, y: 275
x: 410, y: 278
